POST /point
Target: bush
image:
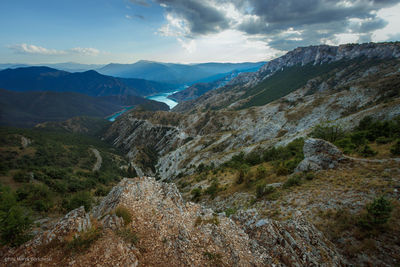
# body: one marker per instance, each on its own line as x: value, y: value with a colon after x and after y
x: 14, y: 226
x: 21, y: 177
x: 37, y: 196
x: 395, y: 149
x: 292, y: 181
x: 196, y: 194
x: 101, y: 191
x: 128, y: 235
x: 309, y: 176
x: 281, y: 169
x: 253, y: 158
x: 262, y: 190
x: 383, y: 140
x: 261, y: 172
x: 213, y: 189
x: 243, y: 172
x: 378, y: 213
x: 84, y: 240
x: 124, y: 213
x: 367, y: 151
x: 328, y: 132
x: 79, y: 199
x: 15, y: 221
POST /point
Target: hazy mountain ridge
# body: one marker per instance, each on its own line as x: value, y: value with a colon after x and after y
x: 88, y: 82
x: 173, y: 73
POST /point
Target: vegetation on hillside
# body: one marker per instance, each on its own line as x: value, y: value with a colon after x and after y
x: 51, y: 175
x: 369, y: 132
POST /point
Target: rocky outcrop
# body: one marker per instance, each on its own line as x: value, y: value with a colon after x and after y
x: 171, y: 232
x: 144, y: 141
x: 292, y: 243
x: 319, y: 155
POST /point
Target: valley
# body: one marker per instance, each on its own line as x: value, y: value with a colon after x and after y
x: 295, y: 163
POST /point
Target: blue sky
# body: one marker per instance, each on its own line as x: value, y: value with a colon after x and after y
x: 187, y: 31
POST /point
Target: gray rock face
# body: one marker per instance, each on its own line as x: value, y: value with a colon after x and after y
x: 292, y: 243
x: 325, y: 54
x: 319, y: 155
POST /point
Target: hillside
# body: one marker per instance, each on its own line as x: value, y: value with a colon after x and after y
x: 296, y: 69
x: 89, y: 82
x: 26, y: 109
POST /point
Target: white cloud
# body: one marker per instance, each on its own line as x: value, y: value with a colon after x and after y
x: 226, y: 46
x: 86, y: 51
x: 174, y: 27
x: 128, y: 17
x: 33, y: 49
x: 391, y: 15
x: 38, y: 50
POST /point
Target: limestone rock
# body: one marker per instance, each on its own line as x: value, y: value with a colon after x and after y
x: 319, y: 155
x: 171, y: 232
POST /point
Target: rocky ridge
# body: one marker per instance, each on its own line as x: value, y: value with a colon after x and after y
x: 173, y: 232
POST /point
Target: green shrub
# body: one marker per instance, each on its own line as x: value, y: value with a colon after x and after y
x: 378, y: 213
x: 124, y: 213
x: 84, y: 240
x: 213, y: 189
x: 230, y: 211
x: 261, y: 172
x: 383, y: 140
x: 328, y: 132
x: 243, y: 172
x: 21, y: 177
x: 309, y: 176
x: 395, y: 149
x: 128, y: 235
x: 196, y: 194
x: 101, y: 191
x: 15, y: 221
x: 37, y: 196
x: 358, y: 138
x: 253, y: 158
x: 367, y: 151
x: 295, y: 180
x: 82, y: 198
x: 262, y: 190
x: 281, y: 169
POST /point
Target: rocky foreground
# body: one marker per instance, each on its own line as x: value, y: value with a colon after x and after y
x: 158, y: 228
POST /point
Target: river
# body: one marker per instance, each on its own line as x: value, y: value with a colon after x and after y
x: 162, y: 97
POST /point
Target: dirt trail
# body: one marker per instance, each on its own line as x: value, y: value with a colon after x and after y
x: 99, y: 159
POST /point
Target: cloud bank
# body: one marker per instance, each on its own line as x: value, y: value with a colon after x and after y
x: 282, y: 25
x: 38, y: 50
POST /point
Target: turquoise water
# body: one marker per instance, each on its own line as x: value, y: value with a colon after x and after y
x: 116, y: 115
x: 164, y: 98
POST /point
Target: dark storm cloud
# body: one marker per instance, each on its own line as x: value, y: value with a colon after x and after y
x: 313, y: 20
x: 201, y: 17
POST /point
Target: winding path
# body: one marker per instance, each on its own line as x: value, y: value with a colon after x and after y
x: 99, y: 159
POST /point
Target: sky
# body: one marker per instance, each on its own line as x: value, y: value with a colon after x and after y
x: 185, y: 31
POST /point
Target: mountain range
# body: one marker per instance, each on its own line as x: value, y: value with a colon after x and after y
x: 175, y: 73
x: 89, y: 82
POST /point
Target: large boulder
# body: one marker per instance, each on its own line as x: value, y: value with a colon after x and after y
x: 319, y: 155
